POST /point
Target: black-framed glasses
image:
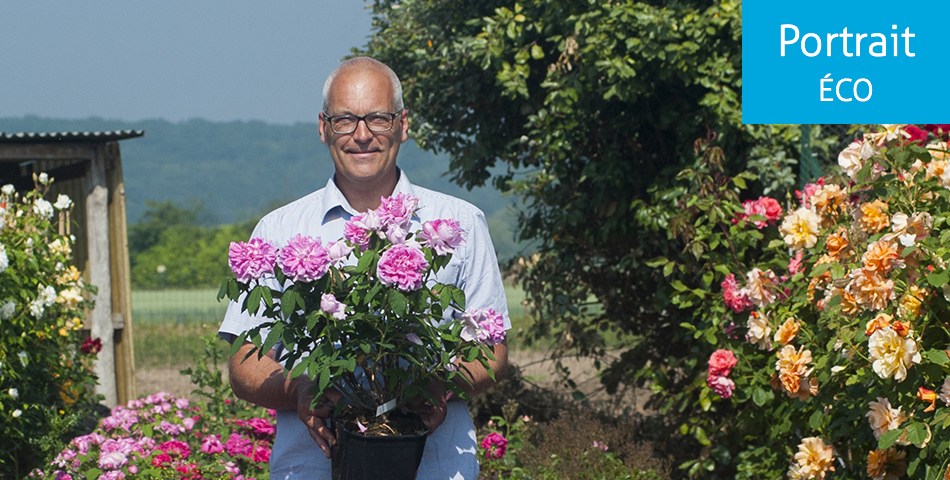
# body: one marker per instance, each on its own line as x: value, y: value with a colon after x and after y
x: 375, y: 122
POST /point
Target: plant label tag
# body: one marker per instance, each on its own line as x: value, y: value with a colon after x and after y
x: 385, y: 407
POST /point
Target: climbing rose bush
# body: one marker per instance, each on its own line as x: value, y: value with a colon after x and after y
x: 837, y: 316
x: 46, y: 383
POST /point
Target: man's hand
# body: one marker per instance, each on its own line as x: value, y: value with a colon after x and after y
x: 433, y: 415
x: 315, y: 419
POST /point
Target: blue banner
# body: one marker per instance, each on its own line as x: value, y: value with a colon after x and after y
x: 834, y: 61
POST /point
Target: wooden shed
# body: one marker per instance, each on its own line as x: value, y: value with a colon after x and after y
x: 87, y: 167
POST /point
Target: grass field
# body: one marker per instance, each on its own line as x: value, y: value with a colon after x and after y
x: 170, y: 325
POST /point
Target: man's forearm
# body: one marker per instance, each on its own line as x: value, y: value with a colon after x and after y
x: 262, y: 381
x: 478, y: 376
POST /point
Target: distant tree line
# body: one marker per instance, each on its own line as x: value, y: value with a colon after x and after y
x: 170, y: 247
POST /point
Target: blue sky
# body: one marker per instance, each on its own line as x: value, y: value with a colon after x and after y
x: 176, y: 60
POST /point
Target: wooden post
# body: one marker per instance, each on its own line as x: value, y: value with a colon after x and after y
x: 121, y: 278
x: 99, y: 271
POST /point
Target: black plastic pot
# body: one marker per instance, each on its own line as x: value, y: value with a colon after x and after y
x: 361, y: 457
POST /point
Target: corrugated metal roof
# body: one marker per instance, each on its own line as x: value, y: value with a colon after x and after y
x: 45, y: 137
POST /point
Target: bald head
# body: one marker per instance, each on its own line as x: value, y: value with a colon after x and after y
x: 366, y: 64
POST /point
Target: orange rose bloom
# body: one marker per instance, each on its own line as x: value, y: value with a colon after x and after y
x: 787, y: 331
x: 874, y: 217
x: 870, y: 289
x: 882, y: 320
x: 837, y: 243
x: 888, y: 464
x: 880, y: 256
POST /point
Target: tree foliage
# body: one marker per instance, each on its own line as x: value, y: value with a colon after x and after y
x: 592, y: 107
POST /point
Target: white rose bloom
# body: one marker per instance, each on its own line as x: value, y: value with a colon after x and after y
x: 70, y: 296
x: 892, y: 354
x: 37, y: 309
x: 13, y: 393
x: 43, y: 208
x: 29, y: 241
x: 24, y: 358
x: 759, y: 331
x: 16, y: 413
x: 63, y: 202
x: 7, y: 310
x: 850, y: 159
x: 44, y: 178
x: 47, y: 295
x: 883, y: 418
x: 4, y: 260
x: 7, y: 189
x: 3, y: 218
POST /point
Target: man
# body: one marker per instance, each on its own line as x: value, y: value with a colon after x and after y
x: 363, y: 124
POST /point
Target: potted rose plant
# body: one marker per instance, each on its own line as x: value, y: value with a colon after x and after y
x: 365, y: 315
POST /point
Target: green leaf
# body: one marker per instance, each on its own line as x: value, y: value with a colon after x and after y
x: 917, y: 432
x: 459, y: 296
x: 888, y: 438
x: 739, y: 182
x: 398, y: 302
x: 253, y: 301
x: 288, y: 302
x: 938, y: 279
x: 678, y: 285
x: 536, y: 52
x: 223, y: 291
x: 940, y: 357
x: 668, y: 269
x: 816, y: 419
x: 656, y: 262
x: 366, y: 261
x: 760, y: 396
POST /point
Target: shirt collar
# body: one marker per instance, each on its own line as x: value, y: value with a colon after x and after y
x: 334, y: 205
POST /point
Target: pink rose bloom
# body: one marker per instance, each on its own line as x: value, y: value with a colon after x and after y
x: 304, y: 259
x: 809, y: 191
x: 721, y: 385
x: 483, y: 325
x: 172, y: 429
x: 721, y: 362
x: 772, y: 209
x: 232, y: 468
x: 188, y: 423
x: 238, y: 445
x: 251, y: 260
x: 495, y: 446
x: 397, y: 210
x: 764, y: 206
x: 329, y: 304
x: 795, y: 264
x: 175, y: 447
x: 112, y: 475
x: 212, y: 444
x: 133, y: 469
x: 356, y: 233
x: 443, y: 236
x: 338, y: 252
x: 61, y: 475
x: 261, y: 454
x: 112, y: 460
x: 402, y: 266
x: 261, y: 427
x: 161, y: 460
x: 734, y: 298
x: 182, y: 403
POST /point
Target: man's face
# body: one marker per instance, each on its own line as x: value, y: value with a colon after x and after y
x: 363, y: 157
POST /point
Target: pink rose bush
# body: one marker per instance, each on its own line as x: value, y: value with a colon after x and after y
x: 370, y: 301
x: 131, y: 443
x: 836, y: 306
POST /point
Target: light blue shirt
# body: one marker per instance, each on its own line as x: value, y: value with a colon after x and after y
x: 450, y: 452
